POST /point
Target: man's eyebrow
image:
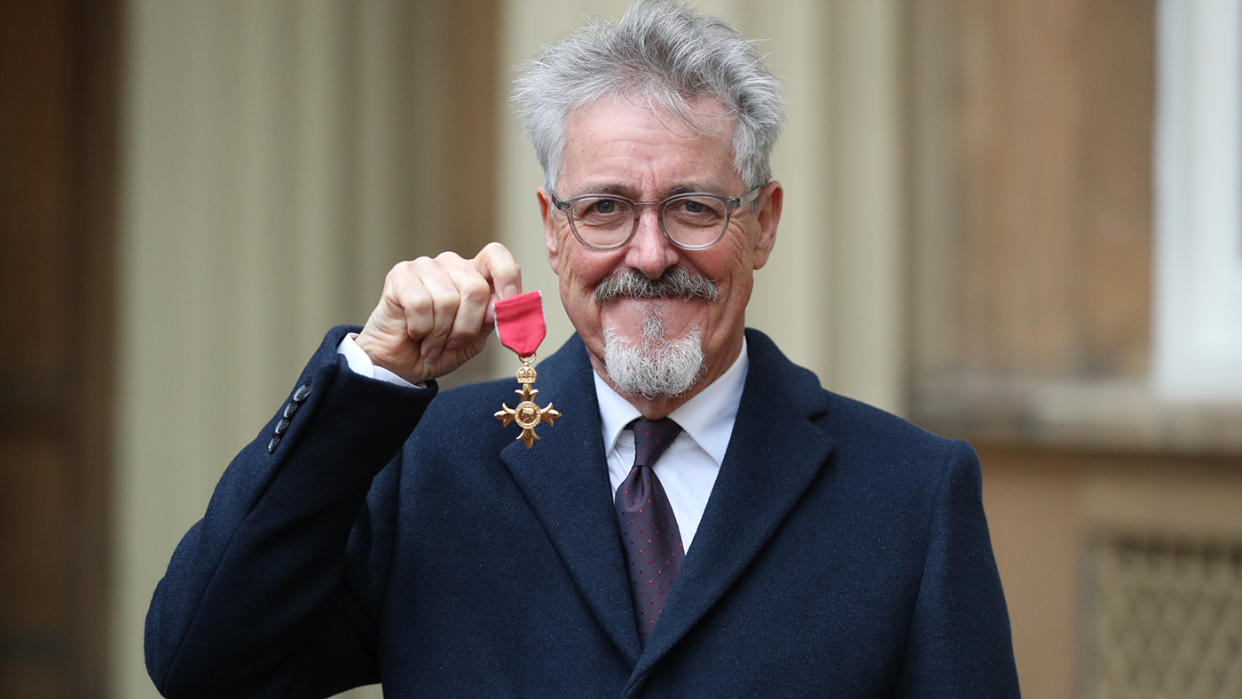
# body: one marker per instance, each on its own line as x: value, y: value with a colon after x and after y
x: 695, y: 187
x: 603, y: 188
x: 613, y: 188
x: 631, y: 193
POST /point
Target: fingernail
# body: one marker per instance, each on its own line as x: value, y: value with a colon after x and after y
x: 509, y: 290
x: 432, y: 354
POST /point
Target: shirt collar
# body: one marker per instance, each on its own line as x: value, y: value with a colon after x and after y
x: 707, y: 418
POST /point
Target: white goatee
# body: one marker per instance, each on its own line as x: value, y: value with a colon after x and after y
x: 654, y: 366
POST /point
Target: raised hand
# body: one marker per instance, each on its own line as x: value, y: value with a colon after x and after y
x: 434, y: 315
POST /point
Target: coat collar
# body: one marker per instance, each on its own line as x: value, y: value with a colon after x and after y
x: 774, y: 454
x: 564, y: 478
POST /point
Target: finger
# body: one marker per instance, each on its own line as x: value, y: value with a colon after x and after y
x: 475, y: 295
x: 408, y: 298
x: 444, y: 301
x: 498, y: 267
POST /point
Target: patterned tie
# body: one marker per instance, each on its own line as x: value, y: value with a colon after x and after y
x: 649, y: 530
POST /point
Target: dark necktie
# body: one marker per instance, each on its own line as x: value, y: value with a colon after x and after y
x: 649, y: 530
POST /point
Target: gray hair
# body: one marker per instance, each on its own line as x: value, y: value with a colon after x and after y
x: 665, y: 53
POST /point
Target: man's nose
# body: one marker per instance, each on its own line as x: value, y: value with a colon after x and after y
x: 649, y: 251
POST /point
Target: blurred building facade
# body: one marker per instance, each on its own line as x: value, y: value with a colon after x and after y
x: 969, y: 240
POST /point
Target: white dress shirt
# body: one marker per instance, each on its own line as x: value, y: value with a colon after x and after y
x: 689, y: 467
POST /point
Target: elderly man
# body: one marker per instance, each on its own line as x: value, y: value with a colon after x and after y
x: 379, y: 531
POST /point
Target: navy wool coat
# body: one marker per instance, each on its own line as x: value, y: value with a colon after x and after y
x: 399, y: 536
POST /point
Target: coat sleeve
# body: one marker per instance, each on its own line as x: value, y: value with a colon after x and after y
x: 959, y: 643
x: 274, y: 591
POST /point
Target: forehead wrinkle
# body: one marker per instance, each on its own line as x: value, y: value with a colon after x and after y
x: 643, y: 160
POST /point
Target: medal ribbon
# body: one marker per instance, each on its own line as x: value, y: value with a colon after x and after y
x: 519, y: 323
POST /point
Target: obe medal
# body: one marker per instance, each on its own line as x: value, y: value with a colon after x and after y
x: 520, y: 327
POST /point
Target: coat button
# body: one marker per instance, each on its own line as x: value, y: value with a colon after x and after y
x: 301, y: 394
x: 271, y: 446
x: 290, y: 409
x: 282, y: 426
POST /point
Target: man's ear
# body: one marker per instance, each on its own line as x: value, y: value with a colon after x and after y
x: 769, y: 217
x: 548, y: 212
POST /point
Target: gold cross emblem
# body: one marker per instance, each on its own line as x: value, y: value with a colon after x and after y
x: 527, y: 414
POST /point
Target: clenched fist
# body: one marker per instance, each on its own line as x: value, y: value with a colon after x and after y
x: 435, y: 314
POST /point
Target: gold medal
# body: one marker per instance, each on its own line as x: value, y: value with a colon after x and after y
x: 520, y: 327
x: 527, y: 414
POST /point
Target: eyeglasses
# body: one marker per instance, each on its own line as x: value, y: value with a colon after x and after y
x: 691, y: 221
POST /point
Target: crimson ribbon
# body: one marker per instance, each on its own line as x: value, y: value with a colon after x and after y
x: 519, y: 323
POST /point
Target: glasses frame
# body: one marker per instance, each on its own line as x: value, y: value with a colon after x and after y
x: 730, y: 204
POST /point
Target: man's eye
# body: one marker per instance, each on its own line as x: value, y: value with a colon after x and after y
x: 698, y: 209
x: 605, y: 206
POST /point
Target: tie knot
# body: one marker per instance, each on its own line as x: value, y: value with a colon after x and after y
x: 651, y: 438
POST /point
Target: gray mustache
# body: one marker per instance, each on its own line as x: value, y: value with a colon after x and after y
x: 676, y: 283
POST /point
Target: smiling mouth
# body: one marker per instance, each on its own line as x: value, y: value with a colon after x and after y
x: 675, y: 283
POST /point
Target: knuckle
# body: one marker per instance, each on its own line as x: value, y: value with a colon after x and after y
x: 401, y: 270
x: 476, y: 290
x: 419, y: 304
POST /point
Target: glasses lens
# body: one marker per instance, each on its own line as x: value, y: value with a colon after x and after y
x: 602, y: 220
x: 695, y: 219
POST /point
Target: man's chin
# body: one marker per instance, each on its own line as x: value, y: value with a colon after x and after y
x: 651, y: 365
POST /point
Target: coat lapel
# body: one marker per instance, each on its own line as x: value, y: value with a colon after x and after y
x: 564, y: 478
x: 774, y: 454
